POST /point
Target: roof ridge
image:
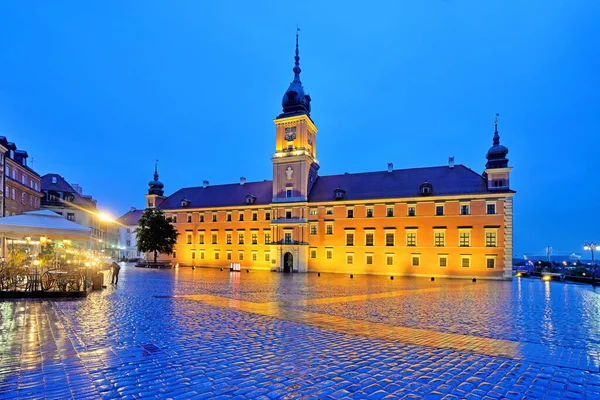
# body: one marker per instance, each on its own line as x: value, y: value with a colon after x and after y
x: 394, y: 170
x: 223, y: 184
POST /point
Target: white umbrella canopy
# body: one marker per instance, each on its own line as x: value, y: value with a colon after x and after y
x: 42, y: 223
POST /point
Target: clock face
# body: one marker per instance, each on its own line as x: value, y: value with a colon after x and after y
x: 290, y: 133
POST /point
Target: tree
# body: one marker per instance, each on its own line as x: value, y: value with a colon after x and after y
x: 155, y: 233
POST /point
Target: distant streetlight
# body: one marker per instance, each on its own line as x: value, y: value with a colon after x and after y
x: 591, y: 247
x: 105, y: 217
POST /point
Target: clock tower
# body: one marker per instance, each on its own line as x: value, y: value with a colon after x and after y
x: 295, y: 169
x: 295, y: 166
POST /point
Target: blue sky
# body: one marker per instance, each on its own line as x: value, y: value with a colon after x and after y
x: 96, y: 91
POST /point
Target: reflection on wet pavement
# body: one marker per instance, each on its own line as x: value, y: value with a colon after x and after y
x: 212, y: 334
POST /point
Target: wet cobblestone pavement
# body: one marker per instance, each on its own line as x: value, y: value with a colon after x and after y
x: 211, y: 334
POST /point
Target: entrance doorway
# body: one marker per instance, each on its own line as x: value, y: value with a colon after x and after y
x: 288, y: 262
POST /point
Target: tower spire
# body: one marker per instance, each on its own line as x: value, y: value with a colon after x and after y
x: 156, y: 170
x: 296, y: 68
x: 496, y: 135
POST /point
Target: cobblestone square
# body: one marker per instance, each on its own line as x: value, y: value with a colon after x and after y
x: 207, y: 333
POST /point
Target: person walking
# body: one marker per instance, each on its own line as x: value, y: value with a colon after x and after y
x: 115, y: 273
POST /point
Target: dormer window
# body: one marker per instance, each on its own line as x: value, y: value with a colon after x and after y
x: 250, y: 199
x: 426, y: 189
x: 53, y: 179
x: 339, y: 194
x: 185, y: 202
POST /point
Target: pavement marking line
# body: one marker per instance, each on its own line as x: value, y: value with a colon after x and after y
x: 358, y: 297
x: 420, y: 337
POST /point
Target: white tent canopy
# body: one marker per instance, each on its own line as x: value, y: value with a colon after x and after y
x: 42, y: 223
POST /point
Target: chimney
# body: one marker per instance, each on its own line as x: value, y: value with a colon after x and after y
x: 390, y: 167
x: 242, y: 180
x: 451, y: 162
x: 78, y: 188
x: 205, y: 184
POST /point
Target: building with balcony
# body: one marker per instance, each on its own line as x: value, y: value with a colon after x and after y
x: 21, y: 183
x: 444, y: 221
x: 70, y: 202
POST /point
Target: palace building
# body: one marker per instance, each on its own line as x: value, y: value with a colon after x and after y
x: 445, y: 221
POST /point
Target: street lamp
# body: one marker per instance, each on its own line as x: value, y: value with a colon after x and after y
x: 591, y: 247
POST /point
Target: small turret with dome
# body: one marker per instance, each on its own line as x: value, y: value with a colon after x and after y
x: 155, y: 186
x: 497, y: 171
x: 496, y: 155
x: 295, y: 101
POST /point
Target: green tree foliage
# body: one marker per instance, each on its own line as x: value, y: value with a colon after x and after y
x: 46, y: 255
x: 155, y: 233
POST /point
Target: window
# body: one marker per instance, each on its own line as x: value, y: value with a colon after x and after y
x: 216, y: 254
x: 369, y: 212
x: 287, y: 237
x: 200, y: 237
x: 415, y: 260
x: 23, y: 179
x: 241, y: 215
x: 289, y: 193
x: 288, y: 215
x: 71, y: 216
x: 369, y: 259
x: 349, y: 258
x: 254, y: 216
x: 267, y: 237
x: 188, y: 237
x: 465, y: 261
x: 491, y: 208
x: 389, y: 238
x: 8, y: 174
x: 411, y: 238
x: 313, y: 253
x: 439, y: 210
x: 349, y: 239
x: 442, y: 260
x: 439, y: 238
x: 490, y: 261
x: 464, y: 209
x: 329, y: 229
x: 464, y: 239
x: 14, y: 194
x: 14, y: 174
x: 254, y: 237
x: 329, y: 254
x: 174, y: 218
x: 201, y: 217
x: 128, y: 242
x: 228, y: 217
x: 240, y: 238
x: 389, y: 211
x: 412, y: 211
x: 228, y: 255
x: 329, y: 211
x: 389, y: 259
x: 490, y: 239
x: 193, y: 255
x: 313, y: 229
x: 214, y: 238
x: 267, y: 215
x: 313, y: 211
x: 350, y: 213
x: 23, y: 198
x: 174, y: 254
x: 229, y: 238
x: 202, y: 254
x: 369, y: 239
x: 241, y: 256
x: 214, y: 217
x: 267, y: 256
x: 254, y: 255
x: 189, y: 218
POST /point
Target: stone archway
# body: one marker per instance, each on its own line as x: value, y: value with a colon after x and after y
x: 288, y: 262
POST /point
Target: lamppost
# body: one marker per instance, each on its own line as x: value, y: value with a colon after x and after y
x: 591, y: 247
